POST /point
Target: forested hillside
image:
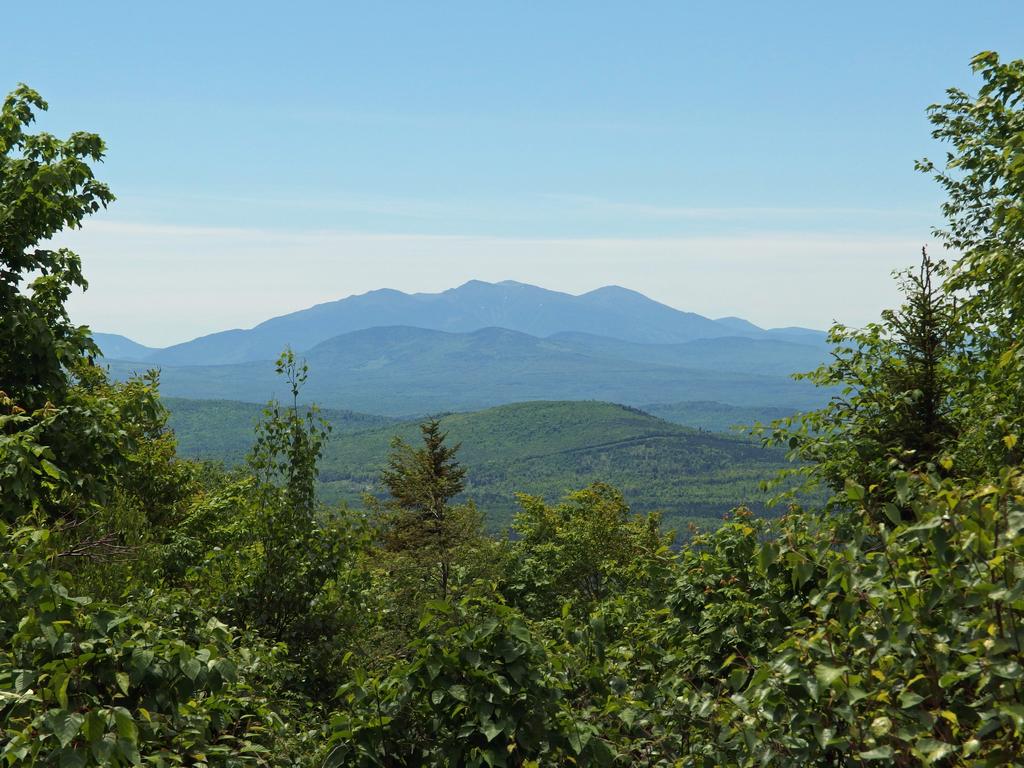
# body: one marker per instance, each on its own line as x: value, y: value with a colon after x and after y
x: 371, y: 370
x: 222, y: 430
x: 542, y: 448
x: 714, y: 416
x: 156, y: 610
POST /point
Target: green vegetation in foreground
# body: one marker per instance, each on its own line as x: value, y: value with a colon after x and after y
x: 540, y: 448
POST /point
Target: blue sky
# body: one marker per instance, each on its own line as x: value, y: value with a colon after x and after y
x: 741, y: 158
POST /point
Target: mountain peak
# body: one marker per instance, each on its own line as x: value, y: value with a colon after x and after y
x: 471, y: 284
x: 483, y: 285
x: 739, y: 324
x: 615, y: 292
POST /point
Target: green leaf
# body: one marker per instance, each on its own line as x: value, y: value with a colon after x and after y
x: 491, y: 730
x: 737, y: 678
x: 828, y: 675
x: 72, y: 758
x: 854, y: 491
x: 576, y: 741
x: 51, y: 469
x: 878, y: 753
x: 126, y: 727
x: 934, y: 750
x: 910, y: 699
x: 458, y: 692
x: 140, y: 664
x: 64, y: 725
x: 519, y: 630
x: 600, y: 753
x: 191, y: 668
x: 767, y: 554
x: 62, y: 688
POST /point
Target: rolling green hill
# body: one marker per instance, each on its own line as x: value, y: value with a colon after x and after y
x: 540, y: 448
x: 223, y: 429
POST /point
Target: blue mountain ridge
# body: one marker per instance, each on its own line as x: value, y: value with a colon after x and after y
x: 612, y: 312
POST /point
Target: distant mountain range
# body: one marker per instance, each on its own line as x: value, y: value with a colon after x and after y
x: 612, y: 312
x: 482, y: 345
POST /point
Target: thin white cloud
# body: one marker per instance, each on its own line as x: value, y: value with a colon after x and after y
x: 400, y: 207
x: 565, y: 209
x: 729, y: 213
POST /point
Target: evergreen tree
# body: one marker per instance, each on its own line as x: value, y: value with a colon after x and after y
x: 898, y: 381
x: 422, y: 483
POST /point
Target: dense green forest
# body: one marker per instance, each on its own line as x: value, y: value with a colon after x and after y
x: 161, y: 611
x: 222, y: 430
x: 542, y: 448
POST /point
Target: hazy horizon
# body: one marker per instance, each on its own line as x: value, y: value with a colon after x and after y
x: 434, y: 293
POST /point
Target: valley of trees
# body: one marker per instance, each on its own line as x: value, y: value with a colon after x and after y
x: 161, y: 611
x: 540, y: 448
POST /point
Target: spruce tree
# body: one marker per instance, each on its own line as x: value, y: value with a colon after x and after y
x: 422, y: 483
x: 896, y: 384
